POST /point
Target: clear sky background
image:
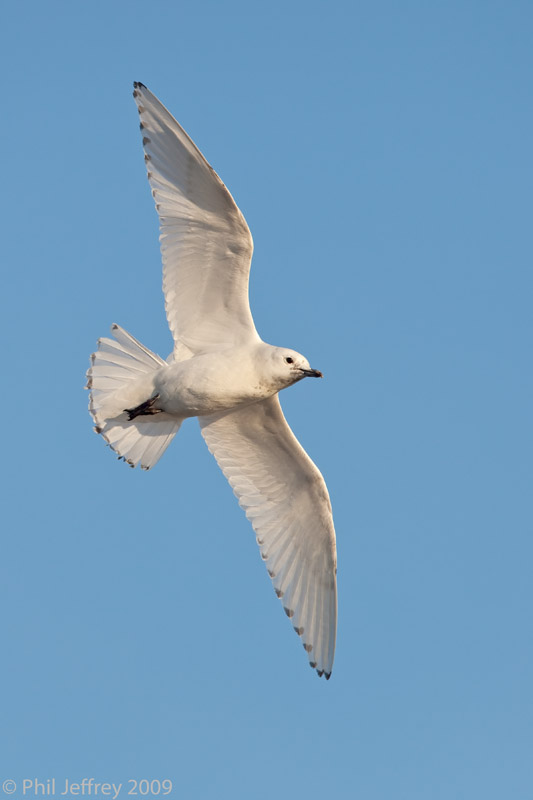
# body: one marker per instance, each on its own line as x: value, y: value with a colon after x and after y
x: 382, y: 155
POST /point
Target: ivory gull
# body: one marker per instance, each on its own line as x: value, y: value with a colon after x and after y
x: 223, y: 373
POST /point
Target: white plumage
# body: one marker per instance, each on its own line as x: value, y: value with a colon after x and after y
x: 223, y: 373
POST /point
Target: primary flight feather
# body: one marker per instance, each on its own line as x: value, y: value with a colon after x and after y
x: 223, y: 373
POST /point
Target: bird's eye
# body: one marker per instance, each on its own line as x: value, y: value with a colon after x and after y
x: 289, y: 360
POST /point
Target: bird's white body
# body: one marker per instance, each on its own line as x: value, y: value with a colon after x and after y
x: 219, y: 381
x: 210, y: 383
x: 222, y: 373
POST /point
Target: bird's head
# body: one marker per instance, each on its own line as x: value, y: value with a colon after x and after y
x: 289, y: 367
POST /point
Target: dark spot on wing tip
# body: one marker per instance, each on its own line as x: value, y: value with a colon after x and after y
x: 312, y: 664
x: 114, y: 326
x: 279, y: 593
x: 328, y: 675
x: 146, y: 468
x: 146, y: 140
x: 289, y: 612
x: 138, y: 85
x: 97, y: 429
x: 320, y: 672
x: 308, y: 647
x: 271, y: 574
x: 146, y: 156
x: 264, y: 556
x: 299, y: 631
x: 141, y: 125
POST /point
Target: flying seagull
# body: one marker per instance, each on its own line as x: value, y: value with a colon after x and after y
x: 223, y: 373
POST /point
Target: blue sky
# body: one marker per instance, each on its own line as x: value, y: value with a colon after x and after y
x: 381, y: 153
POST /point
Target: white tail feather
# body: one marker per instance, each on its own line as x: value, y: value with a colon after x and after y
x: 121, y: 376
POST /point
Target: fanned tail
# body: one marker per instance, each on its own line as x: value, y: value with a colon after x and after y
x: 121, y: 377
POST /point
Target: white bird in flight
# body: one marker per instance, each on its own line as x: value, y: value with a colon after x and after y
x: 223, y: 373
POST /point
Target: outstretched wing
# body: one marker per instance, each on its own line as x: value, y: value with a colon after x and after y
x: 205, y: 242
x: 286, y: 500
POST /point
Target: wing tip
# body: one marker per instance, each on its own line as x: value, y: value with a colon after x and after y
x: 320, y: 672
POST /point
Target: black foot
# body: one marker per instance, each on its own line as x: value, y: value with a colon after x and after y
x: 145, y: 409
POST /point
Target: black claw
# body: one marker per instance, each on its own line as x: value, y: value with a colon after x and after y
x: 144, y: 409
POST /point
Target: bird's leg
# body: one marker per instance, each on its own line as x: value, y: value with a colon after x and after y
x: 145, y: 409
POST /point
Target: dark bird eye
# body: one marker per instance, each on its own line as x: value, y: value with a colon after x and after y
x: 289, y: 360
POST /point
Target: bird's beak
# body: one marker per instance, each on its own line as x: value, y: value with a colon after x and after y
x: 312, y: 373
